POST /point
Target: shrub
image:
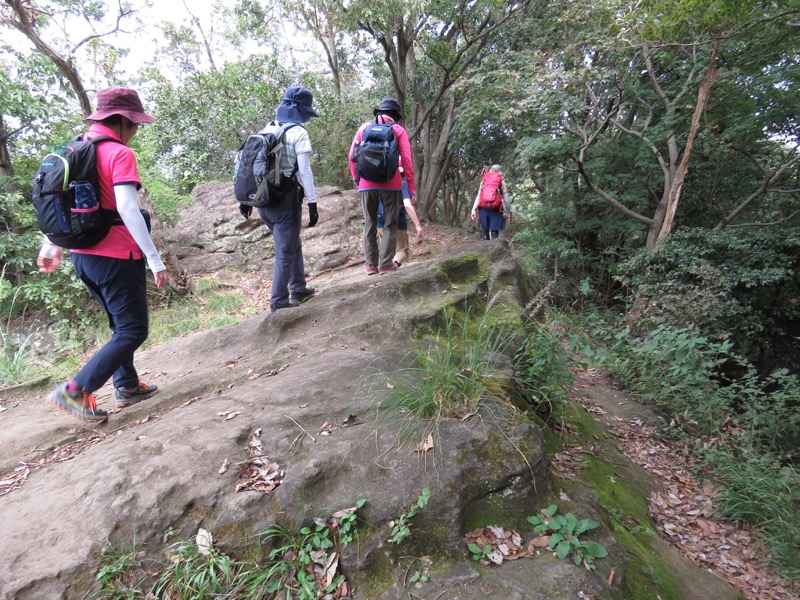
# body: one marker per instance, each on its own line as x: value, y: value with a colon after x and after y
x: 738, y: 285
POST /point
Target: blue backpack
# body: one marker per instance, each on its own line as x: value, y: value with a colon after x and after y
x: 377, y: 156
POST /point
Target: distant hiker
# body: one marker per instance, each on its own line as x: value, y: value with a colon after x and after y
x: 402, y: 249
x: 283, y: 218
x: 375, y: 154
x: 492, y: 204
x: 114, y: 268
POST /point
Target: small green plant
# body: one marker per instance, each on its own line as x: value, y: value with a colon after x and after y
x: 418, y: 577
x: 347, y: 523
x: 197, y: 571
x: 477, y: 552
x: 295, y: 561
x: 15, y: 362
x: 617, y: 516
x: 564, y: 531
x: 121, y: 575
x: 542, y: 372
x: 401, y: 526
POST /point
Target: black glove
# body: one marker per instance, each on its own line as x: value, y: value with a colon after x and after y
x: 313, y: 214
x: 245, y: 210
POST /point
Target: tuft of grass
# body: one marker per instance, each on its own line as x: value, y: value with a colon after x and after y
x: 465, y: 365
x: 760, y: 491
x: 122, y: 575
x: 476, y: 363
x: 208, y: 309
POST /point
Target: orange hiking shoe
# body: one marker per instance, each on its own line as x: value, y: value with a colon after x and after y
x: 80, y: 405
x: 129, y: 396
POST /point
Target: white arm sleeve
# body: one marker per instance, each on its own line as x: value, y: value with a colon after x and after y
x: 306, y: 177
x: 128, y: 209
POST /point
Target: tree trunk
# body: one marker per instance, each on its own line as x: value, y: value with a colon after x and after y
x: 676, y: 186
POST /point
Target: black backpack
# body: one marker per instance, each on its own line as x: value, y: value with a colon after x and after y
x: 257, y: 178
x: 66, y: 195
x: 377, y: 156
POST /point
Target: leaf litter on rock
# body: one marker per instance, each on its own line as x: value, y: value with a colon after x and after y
x: 258, y: 473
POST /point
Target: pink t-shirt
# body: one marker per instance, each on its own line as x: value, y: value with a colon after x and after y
x: 116, y: 165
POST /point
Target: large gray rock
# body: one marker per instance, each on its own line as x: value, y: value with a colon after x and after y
x: 283, y: 379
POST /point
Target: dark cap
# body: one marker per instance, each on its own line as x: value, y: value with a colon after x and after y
x: 120, y: 101
x: 389, y: 105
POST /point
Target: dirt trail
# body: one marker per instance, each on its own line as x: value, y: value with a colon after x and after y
x: 681, y: 505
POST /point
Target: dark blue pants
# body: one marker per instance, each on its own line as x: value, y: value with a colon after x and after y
x: 120, y: 286
x: 288, y: 273
x: 492, y: 222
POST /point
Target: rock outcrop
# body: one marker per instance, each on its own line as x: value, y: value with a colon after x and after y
x: 300, y: 389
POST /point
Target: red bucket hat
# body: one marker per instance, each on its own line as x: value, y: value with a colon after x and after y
x: 120, y: 101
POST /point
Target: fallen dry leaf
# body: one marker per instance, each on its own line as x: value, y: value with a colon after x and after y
x: 224, y: 467
x: 426, y: 444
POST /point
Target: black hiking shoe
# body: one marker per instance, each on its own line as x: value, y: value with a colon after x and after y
x: 297, y: 298
x: 128, y: 396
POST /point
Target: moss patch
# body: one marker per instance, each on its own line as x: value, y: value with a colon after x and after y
x: 623, y: 499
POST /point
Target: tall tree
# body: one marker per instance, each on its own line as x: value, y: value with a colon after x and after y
x: 32, y: 21
x: 654, y: 86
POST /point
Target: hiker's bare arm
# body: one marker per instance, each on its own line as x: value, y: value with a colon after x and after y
x: 413, y: 214
x: 128, y: 209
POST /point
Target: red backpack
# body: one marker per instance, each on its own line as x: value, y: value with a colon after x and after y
x: 491, y: 192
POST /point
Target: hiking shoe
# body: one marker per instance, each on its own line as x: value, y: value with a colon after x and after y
x: 80, y: 405
x: 372, y: 269
x: 297, y: 298
x: 394, y: 267
x: 274, y: 307
x: 128, y: 396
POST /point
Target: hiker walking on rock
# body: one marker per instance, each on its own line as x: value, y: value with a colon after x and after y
x: 492, y: 204
x: 289, y: 287
x: 114, y: 268
x: 375, y: 154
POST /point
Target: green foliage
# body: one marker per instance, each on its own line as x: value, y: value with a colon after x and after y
x: 418, y: 577
x: 290, y: 565
x: 564, y: 531
x: 477, y: 552
x: 759, y: 490
x: 194, y: 140
x: 744, y: 428
x: 733, y: 284
x: 401, y: 528
x: 198, y: 570
x: 15, y: 359
x: 121, y: 574
x: 542, y: 371
x: 197, y: 573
